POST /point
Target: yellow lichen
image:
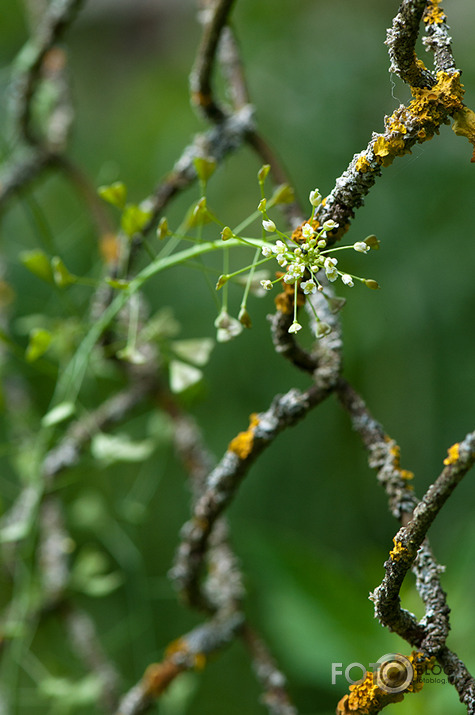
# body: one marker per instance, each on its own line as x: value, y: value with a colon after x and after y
x: 367, y: 698
x: 362, y: 164
x: 431, y: 105
x: 453, y: 453
x: 398, y: 552
x: 242, y: 444
x: 434, y: 15
x: 464, y: 125
x: 387, y: 148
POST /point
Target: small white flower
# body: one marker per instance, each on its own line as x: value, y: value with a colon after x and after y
x: 322, y: 329
x: 295, y: 327
x: 361, y: 247
x: 279, y: 247
x: 266, y: 284
x: 321, y: 243
x: 266, y: 251
x: 330, y: 270
x: 307, y: 231
x: 329, y: 225
x: 281, y: 260
x: 289, y: 279
x: 296, y: 269
x: 269, y: 225
x: 308, y: 287
x: 228, y: 328
x: 315, y: 198
x: 347, y: 280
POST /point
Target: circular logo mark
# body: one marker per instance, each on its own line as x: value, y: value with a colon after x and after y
x: 395, y: 673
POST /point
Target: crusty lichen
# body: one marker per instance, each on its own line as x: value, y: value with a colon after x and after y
x: 367, y: 698
x: 434, y: 15
x: 242, y: 444
x: 453, y: 454
x: 399, y: 551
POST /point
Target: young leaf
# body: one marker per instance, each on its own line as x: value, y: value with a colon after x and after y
x: 197, y: 351
x: 62, y: 277
x: 183, y: 376
x: 39, y: 343
x: 37, y: 262
x: 58, y: 414
x: 120, y: 448
x: 134, y: 219
x: 205, y: 167
x: 114, y: 194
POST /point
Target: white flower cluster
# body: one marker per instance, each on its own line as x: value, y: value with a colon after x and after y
x: 302, y: 262
x: 310, y: 256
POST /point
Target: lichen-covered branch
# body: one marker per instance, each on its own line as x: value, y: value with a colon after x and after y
x: 437, y: 39
x: 411, y: 547
x: 435, y: 100
x: 401, y: 42
x: 273, y: 681
x: 223, y: 482
x: 189, y: 652
x: 216, y: 18
x: 57, y: 18
x: 409, y: 539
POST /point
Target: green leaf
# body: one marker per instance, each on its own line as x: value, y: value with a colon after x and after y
x: 58, y: 414
x: 134, y: 219
x: 70, y: 694
x: 197, y: 350
x: 114, y: 194
x: 62, y: 277
x: 120, y: 448
x: 183, y: 376
x: 39, y: 343
x: 38, y: 263
x: 205, y: 167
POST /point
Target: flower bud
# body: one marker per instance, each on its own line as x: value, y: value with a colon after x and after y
x: 372, y: 242
x: 226, y: 233
x: 322, y: 329
x: 262, y: 173
x: 371, y: 284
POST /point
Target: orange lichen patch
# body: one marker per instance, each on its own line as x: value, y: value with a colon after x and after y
x: 394, y: 124
x: 434, y: 15
x: 285, y: 301
x: 242, y: 444
x: 109, y: 247
x: 453, y: 453
x: 200, y: 661
x: 464, y: 125
x: 297, y: 236
x: 399, y: 551
x: 387, y: 148
x: 201, y: 100
x: 431, y: 105
x: 395, y: 452
x: 158, y: 677
x: 367, y: 698
x: 54, y: 61
x: 362, y: 164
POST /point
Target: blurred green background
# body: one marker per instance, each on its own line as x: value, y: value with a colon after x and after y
x: 310, y: 525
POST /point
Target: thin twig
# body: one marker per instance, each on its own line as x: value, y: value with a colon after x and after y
x: 201, y: 74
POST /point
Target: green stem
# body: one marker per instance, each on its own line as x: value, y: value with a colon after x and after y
x: 69, y: 383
